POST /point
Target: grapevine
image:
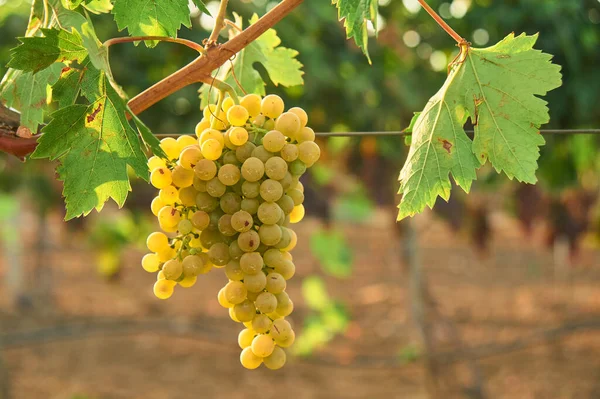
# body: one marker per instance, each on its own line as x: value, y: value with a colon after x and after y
x: 227, y: 199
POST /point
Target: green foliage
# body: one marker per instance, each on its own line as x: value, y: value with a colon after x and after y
x: 333, y: 252
x: 356, y: 14
x: 496, y: 88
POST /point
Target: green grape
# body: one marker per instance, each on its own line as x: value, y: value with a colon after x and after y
x: 156, y: 162
x: 229, y: 158
x: 172, y: 269
x: 161, y: 177
x: 250, y: 205
x: 238, y: 136
x: 248, y: 241
x: 275, y: 283
x: 244, y: 311
x: 233, y: 271
x: 245, y: 337
x: 285, y: 239
x: 225, y: 226
x: 237, y: 188
x: 235, y: 292
x: 286, y: 203
x: 209, y: 237
x: 231, y: 203
x: 288, y: 341
x: 170, y: 146
x: 188, y: 281
x: 182, y: 177
x: 296, y: 195
x: 250, y: 189
x: 184, y: 226
x: 273, y: 141
x: 301, y: 115
x: 272, y: 106
x: 163, y: 289
x: 215, y: 188
x: 281, y: 329
x: 289, y: 152
x: 262, y: 345
x: 237, y: 115
x: 223, y: 301
x: 206, y: 263
x: 270, y: 234
x: 297, y: 214
x: 253, y: 169
x: 269, y: 212
x: 199, y: 185
x: 187, y: 196
x: 241, y: 221
x: 150, y: 263
x: 244, y: 151
x: 261, y: 153
x: 271, y: 190
x: 305, y: 134
x: 213, y: 134
x: 206, y: 203
x: 261, y: 323
x: 229, y: 174
x: 275, y: 360
x: 255, y: 282
x: 205, y: 169
x: 156, y: 205
x: 276, y: 168
x: 190, y: 156
x: 192, y: 265
x: 309, y: 152
x: 169, y: 216
x: 215, y: 216
x: 232, y: 315
x: 297, y: 168
x: 249, y: 360
x: 212, y: 149
x: 169, y: 195
x: 235, y: 252
x: 200, y: 220
x: 269, y: 125
x: 273, y: 258
x: 287, y: 269
x: 219, y: 254
x: 285, y: 309
x: 287, y: 181
x: 252, y: 103
x: 289, y: 124
x: 266, y: 302
x: 251, y: 263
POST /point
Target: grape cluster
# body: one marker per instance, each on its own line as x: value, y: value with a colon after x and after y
x: 227, y: 199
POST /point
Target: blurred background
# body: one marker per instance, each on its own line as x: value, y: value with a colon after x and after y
x: 492, y: 295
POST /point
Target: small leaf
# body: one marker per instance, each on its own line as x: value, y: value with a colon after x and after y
x: 356, y: 14
x: 36, y: 53
x: 148, y: 137
x: 98, y: 6
x: 201, y: 6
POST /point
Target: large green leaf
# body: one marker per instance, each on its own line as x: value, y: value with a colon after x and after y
x: 496, y: 88
x: 356, y: 14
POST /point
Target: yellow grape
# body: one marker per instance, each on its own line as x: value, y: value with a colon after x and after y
x: 238, y: 136
x: 169, y: 216
x: 212, y: 149
x: 293, y: 241
x: 156, y: 162
x: 201, y: 126
x: 228, y: 142
x: 252, y: 103
x: 288, y: 124
x: 171, y: 147
x: 261, y: 323
x: 259, y: 120
x: 168, y: 195
x: 173, y: 269
x: 262, y: 345
x: 275, y: 360
x: 297, y: 214
x: 235, y: 292
x: 188, y: 281
x: 237, y: 115
x: 160, y: 275
x: 184, y: 226
x: 309, y: 152
x: 232, y: 315
x: 161, y: 177
x: 205, y: 169
x: 287, y: 341
x: 245, y: 337
x: 185, y: 141
x: 182, y: 177
x: 187, y: 196
x: 301, y: 114
x: 156, y: 205
x: 222, y: 300
x: 166, y: 254
x: 244, y: 311
x: 272, y: 106
x: 227, y: 103
x: 289, y: 152
x: 163, y: 289
x: 269, y: 125
x: 305, y: 134
x: 273, y: 141
x: 157, y: 242
x: 249, y: 360
x: 190, y: 156
x: 209, y: 110
x: 150, y: 263
x: 211, y: 134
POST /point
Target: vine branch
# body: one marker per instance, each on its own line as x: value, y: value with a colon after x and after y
x: 219, y: 24
x: 459, y: 39
x: 185, y: 42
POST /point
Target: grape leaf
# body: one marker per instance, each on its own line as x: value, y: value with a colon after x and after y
x: 201, y: 6
x: 356, y: 14
x: 497, y: 88
x: 95, y: 144
x: 152, y: 17
x: 36, y: 18
x: 36, y: 53
x: 27, y: 92
x: 98, y: 6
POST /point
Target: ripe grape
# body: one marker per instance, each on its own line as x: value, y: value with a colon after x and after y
x: 161, y: 177
x: 201, y: 126
x: 287, y: 269
x: 276, y: 168
x: 187, y: 196
x: 237, y: 115
x: 253, y: 169
x: 206, y: 203
x: 222, y: 300
x: 309, y: 152
x: 248, y: 241
x: 171, y: 147
x: 188, y: 281
x: 215, y: 188
x: 305, y: 134
x: 269, y: 212
x: 182, y: 177
x: 281, y: 329
x: 266, y: 302
x: 172, y: 269
x: 244, y: 152
x: 255, y: 282
x: 301, y: 115
x: 249, y: 360
x: 150, y: 263
x: 185, y: 226
x: 241, y: 221
x: 289, y: 124
x: 252, y: 103
x: 229, y: 174
x: 261, y: 323
x: 275, y: 360
x: 157, y: 242
x: 156, y: 205
x: 289, y: 152
x: 219, y: 254
x: 156, y: 162
x: 275, y: 283
x: 250, y: 205
x: 297, y: 214
x: 262, y: 345
x: 261, y: 153
x: 227, y: 103
x: 273, y: 141
x: 233, y: 270
x: 272, y: 106
x: 168, y: 195
x: 163, y: 289
x: 238, y: 136
x: 205, y: 169
x: 192, y: 265
x: 185, y: 141
x: 251, y: 262
x: 212, y: 149
x: 244, y: 311
x: 245, y: 337
x: 270, y: 234
x: 235, y: 292
x: 200, y: 220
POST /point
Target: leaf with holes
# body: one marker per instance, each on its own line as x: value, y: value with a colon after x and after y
x: 497, y: 88
x: 356, y: 15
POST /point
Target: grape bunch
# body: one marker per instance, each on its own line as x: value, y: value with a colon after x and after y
x: 227, y: 200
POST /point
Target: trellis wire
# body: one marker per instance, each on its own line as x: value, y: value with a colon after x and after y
x: 545, y: 132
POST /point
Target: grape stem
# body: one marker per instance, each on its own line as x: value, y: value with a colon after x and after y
x: 216, y: 120
x: 185, y: 42
x: 219, y: 24
x: 459, y: 39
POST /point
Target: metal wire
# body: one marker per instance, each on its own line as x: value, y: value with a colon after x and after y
x: 545, y: 132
